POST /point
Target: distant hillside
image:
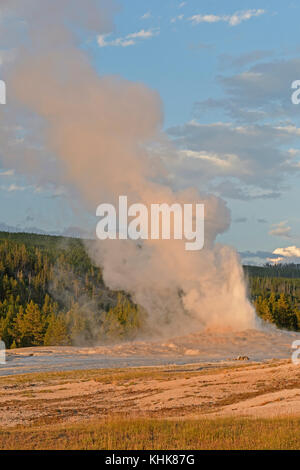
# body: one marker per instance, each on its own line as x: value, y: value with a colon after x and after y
x: 275, y: 293
x: 51, y: 293
x: 277, y: 270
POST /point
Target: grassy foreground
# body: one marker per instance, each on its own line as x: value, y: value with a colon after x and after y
x: 137, y: 434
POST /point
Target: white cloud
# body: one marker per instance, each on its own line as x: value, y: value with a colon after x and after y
x: 129, y: 40
x: 275, y: 260
x: 182, y: 4
x: 233, y: 20
x: 289, y: 129
x: 122, y: 42
x: 281, y: 230
x: 142, y: 34
x: 225, y: 162
x: 288, y: 252
x: 196, y: 19
x: 146, y: 15
x: 177, y: 18
x: 238, y: 17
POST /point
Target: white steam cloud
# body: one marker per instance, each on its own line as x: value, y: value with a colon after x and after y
x: 98, y: 129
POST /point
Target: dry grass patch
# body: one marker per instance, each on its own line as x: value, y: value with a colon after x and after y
x: 121, y: 433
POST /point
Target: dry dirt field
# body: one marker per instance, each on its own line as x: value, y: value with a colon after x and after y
x: 265, y: 390
x: 205, y: 406
x: 199, y: 404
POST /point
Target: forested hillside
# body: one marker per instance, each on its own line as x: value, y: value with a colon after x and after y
x: 51, y: 294
x: 276, y: 300
x: 291, y: 271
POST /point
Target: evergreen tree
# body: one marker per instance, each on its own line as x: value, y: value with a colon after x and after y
x: 29, y: 327
x: 285, y: 316
x: 56, y: 333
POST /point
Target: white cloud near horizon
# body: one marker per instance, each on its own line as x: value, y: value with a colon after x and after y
x: 275, y: 260
x: 233, y: 20
x: 128, y: 40
x: 288, y: 252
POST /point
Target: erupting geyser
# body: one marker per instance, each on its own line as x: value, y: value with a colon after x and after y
x: 98, y: 129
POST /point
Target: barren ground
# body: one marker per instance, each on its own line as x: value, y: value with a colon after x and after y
x: 270, y: 389
x: 195, y: 376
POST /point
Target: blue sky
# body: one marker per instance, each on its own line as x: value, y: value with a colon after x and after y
x: 224, y: 72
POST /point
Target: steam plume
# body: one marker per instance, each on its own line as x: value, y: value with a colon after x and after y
x: 98, y: 129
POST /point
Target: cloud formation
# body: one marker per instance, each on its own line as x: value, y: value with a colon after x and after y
x: 239, y: 161
x: 262, y: 256
x: 288, y: 252
x: 229, y: 61
x: 177, y: 18
x: 146, y: 15
x: 251, y: 151
x: 281, y: 230
x: 261, y: 92
x: 233, y: 20
x: 129, y: 40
